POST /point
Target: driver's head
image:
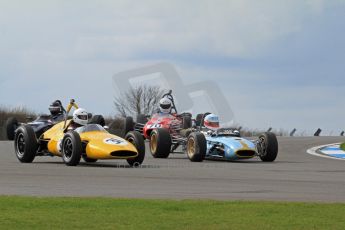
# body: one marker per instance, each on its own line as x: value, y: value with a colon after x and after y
x: 211, y: 121
x: 56, y: 108
x: 80, y: 117
x: 165, y: 105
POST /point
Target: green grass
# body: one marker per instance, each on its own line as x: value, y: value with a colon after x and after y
x: 106, y: 213
x: 342, y: 146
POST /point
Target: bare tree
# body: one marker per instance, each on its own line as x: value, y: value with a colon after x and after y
x: 138, y: 100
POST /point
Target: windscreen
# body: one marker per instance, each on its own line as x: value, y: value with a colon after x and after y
x: 227, y: 132
x: 90, y: 128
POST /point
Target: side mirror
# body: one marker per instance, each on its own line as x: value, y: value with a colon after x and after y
x: 89, y: 115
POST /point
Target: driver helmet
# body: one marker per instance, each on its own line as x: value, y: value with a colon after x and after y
x: 56, y: 108
x: 80, y: 117
x: 165, y: 105
x: 211, y: 122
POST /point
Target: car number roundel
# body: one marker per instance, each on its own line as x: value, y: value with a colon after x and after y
x: 114, y: 141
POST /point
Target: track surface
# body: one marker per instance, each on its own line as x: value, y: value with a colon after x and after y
x: 295, y: 176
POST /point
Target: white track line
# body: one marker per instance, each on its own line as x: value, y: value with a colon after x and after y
x: 313, y: 151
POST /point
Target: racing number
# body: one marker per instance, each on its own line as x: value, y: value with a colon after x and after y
x: 155, y: 126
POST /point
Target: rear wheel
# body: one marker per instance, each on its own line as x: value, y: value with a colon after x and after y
x: 142, y: 119
x: 98, y: 119
x: 128, y: 126
x: 138, y: 141
x: 200, y: 119
x: 10, y: 127
x: 160, y: 143
x: 71, y: 148
x: 187, y: 122
x: 25, y: 144
x: 196, y: 147
x: 268, y: 147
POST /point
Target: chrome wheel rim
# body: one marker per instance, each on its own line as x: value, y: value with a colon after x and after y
x: 153, y: 143
x: 20, y: 145
x: 67, y: 149
x: 262, y: 146
x: 191, y: 147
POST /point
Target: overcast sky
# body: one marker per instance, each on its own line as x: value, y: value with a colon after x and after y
x: 280, y: 63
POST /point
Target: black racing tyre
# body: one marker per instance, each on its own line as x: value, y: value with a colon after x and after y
x: 196, y: 147
x: 199, y: 121
x: 186, y: 122
x: 89, y: 160
x: 25, y: 144
x: 268, y: 147
x: 128, y: 126
x: 98, y: 119
x: 71, y: 148
x: 137, y: 140
x: 160, y: 143
x: 203, y: 118
x: 142, y: 119
x: 10, y: 127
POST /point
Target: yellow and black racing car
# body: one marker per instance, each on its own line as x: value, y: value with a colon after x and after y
x: 90, y: 142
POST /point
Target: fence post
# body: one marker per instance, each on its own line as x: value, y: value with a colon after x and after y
x: 293, y: 132
x: 318, y: 132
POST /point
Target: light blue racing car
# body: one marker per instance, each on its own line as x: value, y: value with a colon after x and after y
x: 227, y: 144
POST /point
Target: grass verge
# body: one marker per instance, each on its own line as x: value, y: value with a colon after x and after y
x: 107, y: 213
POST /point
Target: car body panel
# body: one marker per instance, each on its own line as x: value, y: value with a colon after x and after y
x: 235, y: 148
x: 161, y: 120
x: 99, y: 144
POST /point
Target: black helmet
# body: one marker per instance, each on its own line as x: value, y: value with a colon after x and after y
x: 56, y: 108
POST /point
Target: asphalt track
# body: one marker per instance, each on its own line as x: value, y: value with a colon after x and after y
x: 295, y: 176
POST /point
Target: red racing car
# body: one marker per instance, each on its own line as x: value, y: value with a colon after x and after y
x: 163, y: 130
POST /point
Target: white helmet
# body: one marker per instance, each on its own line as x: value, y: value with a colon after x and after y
x: 211, y: 121
x: 165, y: 105
x: 80, y: 116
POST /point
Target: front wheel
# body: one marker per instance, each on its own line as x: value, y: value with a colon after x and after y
x: 160, y: 143
x: 268, y: 147
x: 71, y: 148
x: 137, y: 140
x: 25, y: 144
x: 196, y: 147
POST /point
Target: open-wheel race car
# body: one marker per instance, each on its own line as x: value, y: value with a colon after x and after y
x: 227, y: 143
x: 44, y: 122
x: 41, y: 124
x: 163, y: 130
x: 72, y: 141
